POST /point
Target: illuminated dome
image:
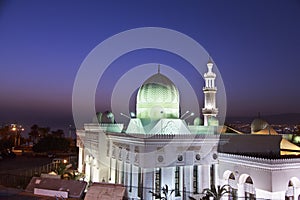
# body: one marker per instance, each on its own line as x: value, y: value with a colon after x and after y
x: 213, y: 121
x: 258, y: 125
x: 105, y: 118
x: 157, y: 98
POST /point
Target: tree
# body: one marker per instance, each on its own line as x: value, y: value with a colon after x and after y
x: 72, y: 175
x: 37, y: 133
x: 34, y: 133
x: 5, y: 132
x: 165, y: 191
x: 50, y: 143
x: 216, y: 194
x: 6, y: 138
x: 58, y: 133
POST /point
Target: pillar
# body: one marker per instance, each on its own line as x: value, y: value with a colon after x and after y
x: 205, y: 176
x: 187, y: 181
x: 87, y: 171
x: 80, y: 160
x: 148, y: 183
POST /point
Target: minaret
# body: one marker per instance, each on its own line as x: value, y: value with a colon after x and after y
x: 209, y: 91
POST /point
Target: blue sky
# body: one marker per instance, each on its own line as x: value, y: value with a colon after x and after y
x: 255, y: 43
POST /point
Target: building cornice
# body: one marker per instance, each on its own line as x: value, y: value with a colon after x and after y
x: 261, y: 163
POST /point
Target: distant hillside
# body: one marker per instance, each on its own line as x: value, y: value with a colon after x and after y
x: 288, y: 118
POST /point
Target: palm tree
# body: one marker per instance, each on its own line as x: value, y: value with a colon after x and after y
x: 61, y: 169
x: 72, y: 175
x: 58, y: 133
x: 165, y: 192
x: 216, y: 193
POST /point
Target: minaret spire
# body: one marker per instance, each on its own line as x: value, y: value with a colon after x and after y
x: 209, y: 60
x: 158, y: 69
x: 209, y: 91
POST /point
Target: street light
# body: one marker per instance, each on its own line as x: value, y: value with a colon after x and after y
x: 17, y: 129
x: 192, y: 114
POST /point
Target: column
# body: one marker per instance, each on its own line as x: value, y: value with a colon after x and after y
x: 205, y: 176
x: 87, y: 171
x: 199, y: 179
x: 80, y: 160
x: 134, y: 191
x: 95, y: 171
x: 168, y: 176
x: 148, y: 183
x: 127, y: 174
x: 241, y: 191
x: 216, y: 174
x: 187, y: 181
x: 112, y: 171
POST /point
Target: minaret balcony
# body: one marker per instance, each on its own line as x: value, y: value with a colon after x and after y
x: 207, y: 111
x: 209, y: 89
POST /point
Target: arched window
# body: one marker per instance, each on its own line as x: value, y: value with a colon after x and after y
x: 289, y: 195
x: 249, y: 189
x: 232, y: 189
x: 291, y: 184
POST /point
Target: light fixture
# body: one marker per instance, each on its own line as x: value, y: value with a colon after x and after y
x: 132, y: 114
x: 125, y: 115
x: 184, y: 114
x: 192, y: 114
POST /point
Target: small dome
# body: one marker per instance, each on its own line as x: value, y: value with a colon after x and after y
x: 258, y: 125
x: 105, y: 118
x: 197, y: 121
x: 157, y: 98
x: 213, y: 121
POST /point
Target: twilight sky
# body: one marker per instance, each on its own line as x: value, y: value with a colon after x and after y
x: 255, y: 44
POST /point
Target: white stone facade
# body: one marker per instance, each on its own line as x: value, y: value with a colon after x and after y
x: 185, y: 160
x: 271, y: 178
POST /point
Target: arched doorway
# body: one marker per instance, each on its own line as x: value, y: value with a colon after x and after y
x: 293, y: 190
x: 230, y: 179
x: 247, y: 185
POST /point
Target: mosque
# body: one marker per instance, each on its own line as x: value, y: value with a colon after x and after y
x: 158, y: 149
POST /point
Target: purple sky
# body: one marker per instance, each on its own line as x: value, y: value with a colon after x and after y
x: 255, y: 43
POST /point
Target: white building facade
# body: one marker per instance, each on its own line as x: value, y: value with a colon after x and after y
x: 148, y: 164
x: 158, y: 148
x: 260, y: 178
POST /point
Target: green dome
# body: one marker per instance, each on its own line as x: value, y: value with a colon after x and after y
x: 157, y: 98
x: 258, y: 125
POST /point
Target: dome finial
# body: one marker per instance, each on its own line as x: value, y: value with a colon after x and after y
x: 209, y: 59
x: 158, y: 69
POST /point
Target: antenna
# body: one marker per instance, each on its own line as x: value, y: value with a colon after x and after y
x: 158, y: 69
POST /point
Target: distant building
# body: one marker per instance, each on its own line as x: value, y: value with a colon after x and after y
x: 158, y: 148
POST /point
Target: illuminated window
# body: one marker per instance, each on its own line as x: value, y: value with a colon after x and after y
x: 140, y: 184
x: 195, y: 179
x: 123, y: 173
x: 177, y: 180
x: 212, y: 174
x: 130, y: 179
x: 116, y: 172
x: 157, y: 180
